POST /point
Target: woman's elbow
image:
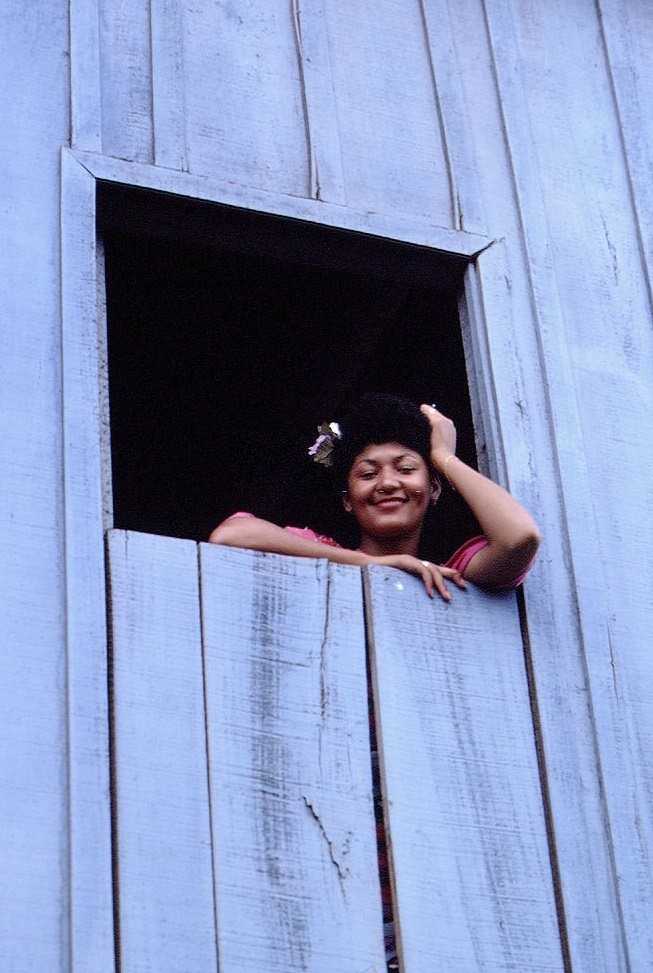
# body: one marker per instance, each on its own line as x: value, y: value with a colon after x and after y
x: 227, y: 533
x: 531, y: 539
x: 524, y: 546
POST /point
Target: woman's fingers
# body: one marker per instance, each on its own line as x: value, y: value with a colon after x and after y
x: 443, y: 431
x: 434, y: 575
x: 454, y: 574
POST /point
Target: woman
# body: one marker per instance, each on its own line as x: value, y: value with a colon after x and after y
x: 387, y: 457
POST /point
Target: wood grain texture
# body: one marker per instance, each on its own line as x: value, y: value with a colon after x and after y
x: 393, y: 157
x: 35, y: 930
x: 466, y: 828
x: 85, y: 79
x: 441, y: 25
x: 168, y: 84
x: 627, y: 34
x: 126, y: 79
x: 245, y: 117
x: 163, y: 839
x: 291, y: 801
x: 577, y: 182
x: 84, y: 436
x: 556, y: 632
x: 530, y: 375
x: 325, y: 173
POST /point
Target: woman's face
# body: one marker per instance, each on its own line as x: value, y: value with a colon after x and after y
x: 388, y: 492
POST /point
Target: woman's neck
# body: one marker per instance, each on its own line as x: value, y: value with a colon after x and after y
x: 380, y: 547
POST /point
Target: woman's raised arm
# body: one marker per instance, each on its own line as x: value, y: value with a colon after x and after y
x: 512, y: 534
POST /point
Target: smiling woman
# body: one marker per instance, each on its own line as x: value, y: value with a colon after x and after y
x: 386, y: 458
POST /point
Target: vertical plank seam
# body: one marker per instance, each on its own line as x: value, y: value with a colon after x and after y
x: 113, y: 768
x: 86, y: 136
x: 151, y: 80
x: 641, y: 243
x: 481, y: 354
x: 181, y: 133
x: 67, y: 599
x: 542, y: 771
x: 566, y: 526
x: 82, y: 536
x: 200, y: 590
x: 370, y: 668
x: 313, y: 175
x: 454, y: 197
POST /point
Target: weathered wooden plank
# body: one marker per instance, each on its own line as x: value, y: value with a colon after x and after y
x: 85, y: 82
x: 168, y: 99
x: 83, y: 436
x: 441, y: 25
x: 325, y: 176
x: 572, y: 182
x: 556, y: 633
x: 422, y: 232
x: 163, y: 833
x: 245, y: 119
x: 126, y: 79
x: 472, y: 876
x: 393, y: 157
x: 627, y: 32
x: 34, y: 927
x: 291, y: 800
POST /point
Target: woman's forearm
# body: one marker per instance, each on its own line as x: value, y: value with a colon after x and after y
x: 262, y: 535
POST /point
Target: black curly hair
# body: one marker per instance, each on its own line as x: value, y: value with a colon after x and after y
x: 378, y: 418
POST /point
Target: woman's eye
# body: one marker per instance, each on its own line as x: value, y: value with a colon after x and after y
x: 407, y: 469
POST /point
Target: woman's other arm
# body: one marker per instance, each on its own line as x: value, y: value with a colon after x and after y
x: 512, y: 534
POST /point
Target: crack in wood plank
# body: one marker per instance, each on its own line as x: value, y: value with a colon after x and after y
x: 342, y: 872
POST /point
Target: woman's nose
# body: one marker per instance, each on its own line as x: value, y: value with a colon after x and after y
x: 388, y: 479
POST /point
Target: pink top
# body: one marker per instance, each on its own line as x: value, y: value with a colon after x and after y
x: 458, y: 560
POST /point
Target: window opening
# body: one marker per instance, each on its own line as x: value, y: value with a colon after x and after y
x: 232, y: 334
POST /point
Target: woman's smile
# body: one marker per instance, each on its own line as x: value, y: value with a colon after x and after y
x: 389, y: 503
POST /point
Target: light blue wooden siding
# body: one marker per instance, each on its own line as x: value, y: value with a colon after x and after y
x: 312, y: 98
x: 34, y: 891
x: 533, y: 128
x: 242, y: 770
x: 244, y: 814
x: 591, y: 177
x: 473, y: 878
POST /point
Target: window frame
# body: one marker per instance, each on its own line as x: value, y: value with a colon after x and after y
x: 87, y: 461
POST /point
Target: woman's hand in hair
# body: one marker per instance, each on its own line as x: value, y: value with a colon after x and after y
x: 443, y: 436
x: 513, y: 536
x: 432, y: 575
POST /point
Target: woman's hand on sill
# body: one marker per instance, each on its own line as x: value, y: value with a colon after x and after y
x: 433, y: 575
x: 255, y: 534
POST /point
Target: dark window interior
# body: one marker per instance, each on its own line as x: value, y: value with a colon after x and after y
x: 232, y: 334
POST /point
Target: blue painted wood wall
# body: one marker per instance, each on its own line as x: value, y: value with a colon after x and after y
x: 524, y: 127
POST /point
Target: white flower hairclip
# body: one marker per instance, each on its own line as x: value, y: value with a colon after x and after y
x: 323, y: 446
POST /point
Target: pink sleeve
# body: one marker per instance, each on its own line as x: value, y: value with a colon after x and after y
x: 461, y: 558
x: 306, y: 532
x: 310, y: 535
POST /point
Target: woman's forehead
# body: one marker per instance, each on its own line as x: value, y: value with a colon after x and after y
x: 385, y: 452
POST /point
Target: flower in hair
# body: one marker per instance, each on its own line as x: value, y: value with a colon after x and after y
x: 328, y: 433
